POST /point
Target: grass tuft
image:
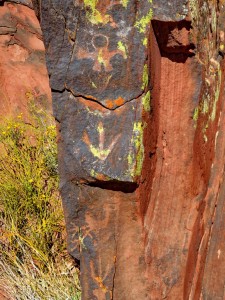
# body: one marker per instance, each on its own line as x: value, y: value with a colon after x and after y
x: 34, y: 262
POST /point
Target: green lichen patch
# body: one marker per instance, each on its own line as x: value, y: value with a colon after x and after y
x: 93, y: 173
x: 196, y: 114
x: 217, y: 94
x: 100, y: 128
x: 93, y: 15
x: 146, y: 101
x: 208, y: 103
x: 143, y: 23
x: 122, y: 47
x: 100, y: 59
x: 136, y: 155
x: 145, y: 42
x: 91, y: 3
x: 125, y: 3
x: 145, y: 77
x: 99, y: 153
x: 205, y: 106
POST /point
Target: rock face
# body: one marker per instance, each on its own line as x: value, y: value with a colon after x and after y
x: 138, y: 91
x: 23, y: 74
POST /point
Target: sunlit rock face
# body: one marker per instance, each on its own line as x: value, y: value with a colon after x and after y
x: 23, y: 74
x: 138, y: 91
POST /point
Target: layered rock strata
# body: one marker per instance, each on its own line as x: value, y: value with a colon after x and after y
x: 23, y: 74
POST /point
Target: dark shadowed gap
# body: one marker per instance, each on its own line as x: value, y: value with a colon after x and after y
x: 76, y: 262
x: 37, y: 8
x: 173, y: 39
x: 113, y: 185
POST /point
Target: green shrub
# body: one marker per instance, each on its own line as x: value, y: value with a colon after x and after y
x: 32, y: 232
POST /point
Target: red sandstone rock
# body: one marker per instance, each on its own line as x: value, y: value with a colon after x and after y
x: 23, y: 75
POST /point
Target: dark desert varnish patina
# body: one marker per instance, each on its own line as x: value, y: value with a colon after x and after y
x: 138, y: 92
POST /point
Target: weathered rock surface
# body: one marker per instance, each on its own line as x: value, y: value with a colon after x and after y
x: 138, y: 91
x: 23, y: 74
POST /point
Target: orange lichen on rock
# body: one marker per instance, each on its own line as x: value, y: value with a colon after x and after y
x: 109, y: 104
x: 114, y: 103
x: 119, y: 101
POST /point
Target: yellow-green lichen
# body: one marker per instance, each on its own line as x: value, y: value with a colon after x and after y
x: 100, y: 128
x: 101, y: 59
x: 135, y: 158
x: 130, y: 159
x: 222, y: 47
x: 217, y: 94
x: 145, y: 77
x: 125, y: 3
x: 142, y: 24
x: 145, y: 42
x: 93, y: 15
x: 123, y: 48
x: 138, y: 141
x: 195, y: 114
x: 146, y: 101
x: 205, y: 106
x: 91, y: 4
x: 99, y: 153
x: 93, y: 173
x: 208, y: 104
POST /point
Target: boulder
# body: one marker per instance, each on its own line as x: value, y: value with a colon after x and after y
x: 138, y: 93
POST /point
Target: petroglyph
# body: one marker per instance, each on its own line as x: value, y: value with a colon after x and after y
x: 101, y: 55
x: 100, y: 152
